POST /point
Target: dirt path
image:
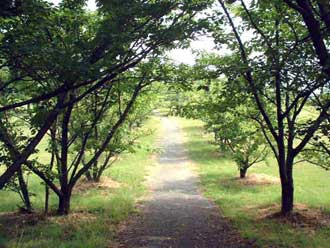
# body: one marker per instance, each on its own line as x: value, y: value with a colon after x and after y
x: 176, y: 214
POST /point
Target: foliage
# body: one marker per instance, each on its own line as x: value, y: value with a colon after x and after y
x: 317, y: 152
x: 72, y: 74
x: 266, y: 65
x: 225, y: 114
x: 53, y: 57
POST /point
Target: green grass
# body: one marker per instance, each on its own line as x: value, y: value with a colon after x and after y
x: 240, y: 203
x: 96, y: 212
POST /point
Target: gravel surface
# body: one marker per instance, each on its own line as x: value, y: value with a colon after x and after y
x: 175, y: 214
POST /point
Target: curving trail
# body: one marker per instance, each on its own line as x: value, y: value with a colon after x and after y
x: 175, y: 213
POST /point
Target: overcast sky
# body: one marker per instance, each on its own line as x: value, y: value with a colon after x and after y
x: 178, y: 55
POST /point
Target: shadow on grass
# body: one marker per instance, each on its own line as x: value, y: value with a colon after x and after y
x: 228, y: 183
x: 199, y: 151
x: 79, y: 229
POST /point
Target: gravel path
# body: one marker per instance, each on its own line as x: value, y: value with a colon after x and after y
x: 176, y: 214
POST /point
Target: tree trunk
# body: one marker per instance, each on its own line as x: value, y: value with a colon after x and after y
x: 287, y: 187
x: 88, y: 176
x: 52, y: 160
x: 103, y: 167
x: 97, y: 179
x: 287, y: 197
x: 64, y: 204
x: 24, y: 191
x: 95, y: 171
x: 46, y: 199
x: 64, y: 201
x: 242, y: 172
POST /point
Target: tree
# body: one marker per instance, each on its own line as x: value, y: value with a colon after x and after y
x: 226, y: 111
x: 270, y: 65
x: 69, y: 171
x: 17, y: 184
x: 239, y: 136
x: 125, y: 137
x: 57, y: 56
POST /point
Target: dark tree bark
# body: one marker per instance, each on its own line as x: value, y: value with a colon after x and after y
x: 287, y: 196
x: 287, y: 185
x: 65, y: 198
x: 24, y: 191
x: 46, y: 207
x: 314, y: 28
x: 52, y: 160
x: 68, y: 178
x: 242, y: 172
x: 64, y: 203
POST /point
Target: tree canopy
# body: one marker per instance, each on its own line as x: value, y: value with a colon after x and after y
x: 84, y: 81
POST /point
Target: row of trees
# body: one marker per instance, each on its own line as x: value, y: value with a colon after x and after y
x: 74, y: 78
x: 269, y: 89
x: 227, y: 117
x: 75, y: 75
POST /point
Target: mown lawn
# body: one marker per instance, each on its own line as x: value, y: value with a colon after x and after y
x: 95, y: 212
x: 245, y: 204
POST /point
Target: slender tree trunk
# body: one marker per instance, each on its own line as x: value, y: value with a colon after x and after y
x: 46, y: 199
x: 64, y: 201
x: 95, y: 170
x: 96, y: 134
x: 52, y: 160
x: 24, y: 191
x: 103, y: 167
x: 97, y: 178
x: 88, y: 176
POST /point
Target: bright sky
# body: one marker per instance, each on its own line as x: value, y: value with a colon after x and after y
x: 186, y: 55
x: 90, y: 3
x: 178, y: 55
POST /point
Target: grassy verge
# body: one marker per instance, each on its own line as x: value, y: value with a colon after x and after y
x: 96, y: 212
x: 245, y: 204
